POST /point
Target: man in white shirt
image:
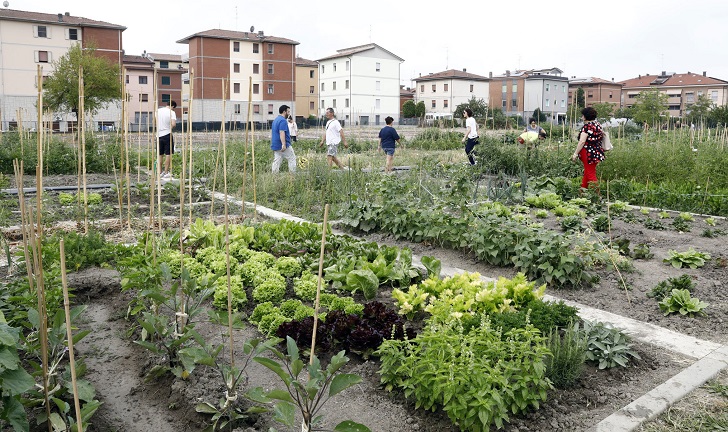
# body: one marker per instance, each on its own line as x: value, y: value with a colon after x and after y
x: 166, y: 121
x: 333, y: 135
x: 471, y: 135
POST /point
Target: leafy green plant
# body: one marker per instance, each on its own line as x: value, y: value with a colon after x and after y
x: 238, y: 296
x: 571, y: 223
x: 568, y: 354
x: 681, y: 224
x: 687, y: 217
x: 14, y: 380
x: 710, y: 221
x: 663, y: 288
x: 680, y: 301
x: 654, y: 224
x: 307, y: 394
x: 432, y: 265
x: 642, y: 251
x: 601, y: 223
x: 363, y: 280
x: 542, y: 213
x: 690, y: 258
x: 663, y: 214
x: 645, y: 211
x: 607, y: 346
x: 619, y: 207
x: 66, y: 198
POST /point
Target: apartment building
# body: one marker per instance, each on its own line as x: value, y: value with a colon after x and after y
x: 139, y: 85
x: 32, y: 39
x: 442, y: 92
x: 521, y: 92
x: 172, y: 80
x: 229, y: 65
x: 307, y: 94
x: 682, y: 90
x: 596, y: 90
x: 361, y: 83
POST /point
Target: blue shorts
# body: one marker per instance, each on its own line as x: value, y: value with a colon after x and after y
x: 389, y: 151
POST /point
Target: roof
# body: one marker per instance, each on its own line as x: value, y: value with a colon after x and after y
x: 346, y: 52
x: 451, y: 74
x: 672, y: 80
x: 592, y: 80
x: 137, y: 59
x: 532, y: 73
x: 166, y: 57
x: 63, y: 20
x: 305, y: 62
x: 238, y: 35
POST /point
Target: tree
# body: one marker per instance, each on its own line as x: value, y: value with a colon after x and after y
x: 720, y: 115
x: 580, y: 99
x: 479, y: 107
x: 420, y: 109
x: 101, y: 80
x: 651, y: 105
x: 604, y: 110
x: 698, y: 113
x: 409, y: 109
x: 539, y: 116
x: 625, y: 112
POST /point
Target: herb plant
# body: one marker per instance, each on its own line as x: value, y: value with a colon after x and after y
x: 680, y: 301
x: 607, y: 346
x: 664, y: 288
x: 568, y: 354
x: 690, y: 258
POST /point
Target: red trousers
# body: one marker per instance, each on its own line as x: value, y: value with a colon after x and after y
x: 590, y: 170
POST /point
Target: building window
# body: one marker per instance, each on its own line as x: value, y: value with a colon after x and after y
x: 547, y: 87
x: 43, y: 57
x: 310, y: 106
x: 563, y: 89
x: 256, y: 109
x: 347, y: 65
x: 548, y: 103
x: 504, y: 88
x: 270, y: 68
x: 236, y: 87
x: 311, y: 89
x: 514, y: 87
x: 505, y: 104
x: 256, y: 68
x: 270, y: 108
x: 471, y: 88
x: 41, y: 31
x: 334, y: 67
x: 378, y: 85
x: 590, y: 94
x: 610, y: 95
x: 166, y: 98
x: 333, y: 103
x: 236, y: 46
x: 377, y: 103
x: 514, y: 104
x: 166, y: 80
x: 256, y: 49
x: 347, y: 84
x: 142, y: 80
x: 333, y: 86
x: 563, y: 103
x: 270, y: 89
x: 444, y: 87
x: 378, y: 67
x: 434, y: 88
x: 322, y: 103
x: 422, y: 88
x: 73, y: 34
x: 323, y: 69
x: 256, y: 88
x: 444, y: 103
x: 270, y: 48
x: 236, y: 67
x: 164, y: 65
x: 434, y: 103
x: 310, y: 73
x: 323, y: 87
x: 127, y: 79
x: 346, y: 103
x: 714, y: 95
x: 689, y: 97
x: 143, y: 97
x: 236, y: 108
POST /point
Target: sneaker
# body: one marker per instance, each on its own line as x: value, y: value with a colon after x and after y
x: 346, y: 169
x: 167, y: 175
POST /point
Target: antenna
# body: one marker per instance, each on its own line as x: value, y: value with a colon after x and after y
x: 252, y: 29
x: 6, y: 3
x: 236, y: 17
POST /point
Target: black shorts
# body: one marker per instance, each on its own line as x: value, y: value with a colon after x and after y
x: 166, y: 145
x: 293, y: 138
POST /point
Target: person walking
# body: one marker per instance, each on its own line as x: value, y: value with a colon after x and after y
x: 280, y: 141
x: 471, y: 135
x: 333, y: 135
x: 166, y: 121
x: 292, y: 129
x: 387, y: 138
x: 589, y: 149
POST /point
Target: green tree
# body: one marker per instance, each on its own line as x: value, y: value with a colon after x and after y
x: 604, y: 110
x: 650, y: 107
x: 625, y: 112
x: 699, y: 112
x: 102, y: 83
x: 539, y: 116
x: 580, y: 99
x: 409, y: 109
x: 479, y: 107
x: 420, y: 109
x: 720, y: 115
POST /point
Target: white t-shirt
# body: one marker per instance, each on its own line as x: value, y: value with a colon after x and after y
x: 165, y: 115
x: 333, y: 132
x: 473, y: 125
x: 292, y: 128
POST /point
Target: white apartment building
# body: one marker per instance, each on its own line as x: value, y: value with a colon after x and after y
x: 361, y: 83
x: 32, y: 39
x: 442, y: 92
x: 547, y: 92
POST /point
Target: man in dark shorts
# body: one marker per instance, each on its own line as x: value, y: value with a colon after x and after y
x: 387, y: 138
x: 166, y: 121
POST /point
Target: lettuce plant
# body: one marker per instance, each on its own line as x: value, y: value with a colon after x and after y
x: 680, y: 301
x: 690, y: 258
x: 238, y: 296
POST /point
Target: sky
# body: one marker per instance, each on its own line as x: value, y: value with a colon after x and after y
x: 617, y: 39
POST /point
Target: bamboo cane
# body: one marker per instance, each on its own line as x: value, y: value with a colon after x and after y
x: 182, y: 186
x: 217, y: 164
x: 248, y: 125
x: 227, y: 230
x: 189, y: 133
x: 39, y: 136
x: 20, y: 133
x: 252, y: 156
x: 160, y: 158
x: 125, y: 134
x: 119, y: 196
x: 318, y: 286
x: 69, y: 334
x: 24, y: 221
x: 81, y: 97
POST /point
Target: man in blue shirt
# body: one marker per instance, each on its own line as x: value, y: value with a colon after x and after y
x: 387, y: 138
x: 280, y: 141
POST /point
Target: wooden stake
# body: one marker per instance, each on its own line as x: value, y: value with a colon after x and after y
x: 25, y: 219
x: 69, y: 335
x: 82, y: 125
x: 227, y: 229
x: 248, y: 125
x: 320, y: 278
x: 189, y: 133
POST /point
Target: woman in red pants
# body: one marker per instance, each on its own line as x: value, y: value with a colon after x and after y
x: 589, y: 149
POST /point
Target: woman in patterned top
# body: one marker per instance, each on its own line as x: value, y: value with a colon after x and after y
x: 589, y: 149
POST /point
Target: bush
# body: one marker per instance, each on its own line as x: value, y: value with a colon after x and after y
x: 607, y: 346
x: 568, y: 354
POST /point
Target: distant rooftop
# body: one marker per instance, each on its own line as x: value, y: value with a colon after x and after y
x: 238, y: 35
x: 451, y: 74
x: 58, y: 19
x: 345, y: 52
x: 672, y: 79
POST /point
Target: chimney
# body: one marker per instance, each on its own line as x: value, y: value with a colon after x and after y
x: 60, y: 17
x: 508, y: 73
x: 612, y: 79
x: 465, y: 70
x: 664, y: 73
x: 705, y: 73
x: 68, y: 13
x: 260, y: 33
x: 490, y: 74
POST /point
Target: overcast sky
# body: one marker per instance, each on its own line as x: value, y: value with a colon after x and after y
x: 608, y: 39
